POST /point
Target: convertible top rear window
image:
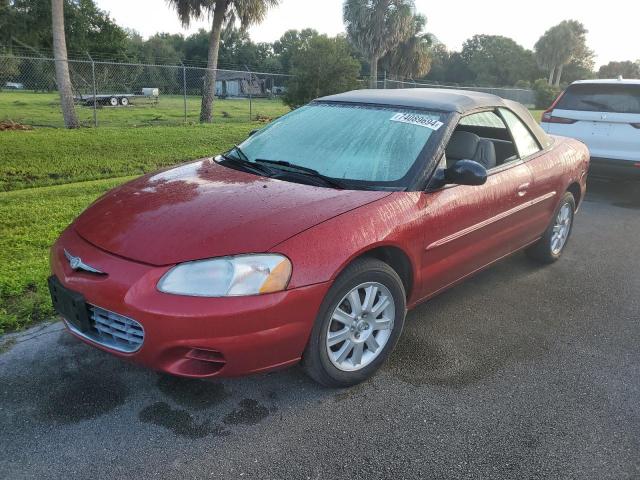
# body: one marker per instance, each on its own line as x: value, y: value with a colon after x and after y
x: 599, y: 97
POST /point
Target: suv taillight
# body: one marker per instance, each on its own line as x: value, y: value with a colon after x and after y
x: 547, y: 115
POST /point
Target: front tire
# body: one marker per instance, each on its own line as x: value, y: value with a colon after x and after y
x: 550, y: 247
x: 358, y: 325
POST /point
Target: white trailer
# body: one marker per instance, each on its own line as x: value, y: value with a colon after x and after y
x: 117, y: 99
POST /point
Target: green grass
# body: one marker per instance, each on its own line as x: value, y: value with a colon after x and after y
x: 55, y: 156
x: 537, y: 114
x: 43, y: 109
x: 30, y: 221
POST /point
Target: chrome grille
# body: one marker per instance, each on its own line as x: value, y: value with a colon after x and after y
x: 114, y: 331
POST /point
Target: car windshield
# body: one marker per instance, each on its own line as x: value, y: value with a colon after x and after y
x: 348, y: 142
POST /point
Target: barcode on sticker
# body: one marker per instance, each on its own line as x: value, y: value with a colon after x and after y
x: 415, y: 119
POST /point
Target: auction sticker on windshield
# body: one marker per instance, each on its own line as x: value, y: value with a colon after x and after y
x: 417, y: 119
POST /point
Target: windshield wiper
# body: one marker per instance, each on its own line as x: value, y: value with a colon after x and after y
x: 310, y: 172
x: 242, y: 154
x: 247, y: 165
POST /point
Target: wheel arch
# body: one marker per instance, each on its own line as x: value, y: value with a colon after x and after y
x: 575, y: 190
x: 393, y: 256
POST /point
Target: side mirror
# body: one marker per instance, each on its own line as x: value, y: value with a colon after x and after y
x: 463, y: 172
x: 466, y: 172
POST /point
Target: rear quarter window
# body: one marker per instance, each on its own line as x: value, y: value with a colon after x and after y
x: 601, y: 98
x: 483, y: 119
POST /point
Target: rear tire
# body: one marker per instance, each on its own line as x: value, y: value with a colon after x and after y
x: 113, y: 101
x: 358, y: 325
x: 124, y: 101
x: 550, y: 247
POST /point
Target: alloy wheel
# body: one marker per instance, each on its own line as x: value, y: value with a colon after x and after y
x: 561, y: 229
x: 360, y: 327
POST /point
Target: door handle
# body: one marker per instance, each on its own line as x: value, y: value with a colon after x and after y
x: 522, y: 189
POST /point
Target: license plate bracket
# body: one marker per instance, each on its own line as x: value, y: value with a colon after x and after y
x: 71, y: 305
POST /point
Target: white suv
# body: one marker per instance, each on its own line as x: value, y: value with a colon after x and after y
x: 605, y: 115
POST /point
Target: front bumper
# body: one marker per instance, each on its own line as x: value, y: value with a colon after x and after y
x: 191, y: 336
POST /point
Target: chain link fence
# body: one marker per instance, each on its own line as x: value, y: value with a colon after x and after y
x: 522, y: 95
x: 131, y: 94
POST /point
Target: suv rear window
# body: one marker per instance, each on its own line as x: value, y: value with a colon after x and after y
x: 601, y: 98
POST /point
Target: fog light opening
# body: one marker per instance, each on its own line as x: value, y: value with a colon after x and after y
x: 205, y: 355
x: 197, y: 363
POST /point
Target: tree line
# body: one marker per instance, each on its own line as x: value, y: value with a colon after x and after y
x: 384, y: 39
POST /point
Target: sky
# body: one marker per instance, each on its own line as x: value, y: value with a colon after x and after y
x: 612, y: 26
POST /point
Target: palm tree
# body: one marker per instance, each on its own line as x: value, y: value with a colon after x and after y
x: 545, y: 55
x: 558, y: 46
x: 62, y: 65
x: 553, y: 50
x: 575, y: 39
x: 222, y: 12
x: 412, y: 58
x: 377, y: 26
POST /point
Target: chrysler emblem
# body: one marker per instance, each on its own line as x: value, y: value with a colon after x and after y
x: 76, y: 263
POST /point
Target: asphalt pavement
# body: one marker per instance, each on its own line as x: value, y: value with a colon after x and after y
x: 521, y: 372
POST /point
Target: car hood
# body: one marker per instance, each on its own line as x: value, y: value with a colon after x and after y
x: 202, y: 210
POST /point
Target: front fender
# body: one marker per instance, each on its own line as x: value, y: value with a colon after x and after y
x: 320, y: 253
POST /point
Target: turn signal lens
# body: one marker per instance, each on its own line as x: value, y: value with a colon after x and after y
x: 278, y: 278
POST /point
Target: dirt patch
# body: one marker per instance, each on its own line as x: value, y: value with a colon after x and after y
x: 263, y: 118
x: 11, y: 125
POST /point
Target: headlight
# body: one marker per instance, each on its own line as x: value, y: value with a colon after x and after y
x: 228, y: 276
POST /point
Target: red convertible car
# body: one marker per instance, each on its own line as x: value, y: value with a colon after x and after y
x: 309, y: 241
